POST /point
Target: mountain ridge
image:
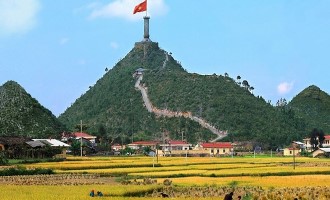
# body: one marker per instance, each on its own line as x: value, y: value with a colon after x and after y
x: 179, y: 103
x: 313, y: 105
x: 215, y: 98
x: 21, y: 114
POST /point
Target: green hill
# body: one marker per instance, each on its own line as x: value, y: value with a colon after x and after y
x: 114, y: 108
x: 20, y: 114
x: 313, y: 105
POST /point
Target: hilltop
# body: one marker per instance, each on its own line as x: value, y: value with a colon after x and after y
x: 313, y: 105
x: 114, y: 107
x: 148, y: 95
x: 21, y: 114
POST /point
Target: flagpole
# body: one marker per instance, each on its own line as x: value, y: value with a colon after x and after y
x: 146, y: 8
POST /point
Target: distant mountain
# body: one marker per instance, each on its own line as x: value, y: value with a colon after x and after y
x: 313, y: 105
x: 20, y: 114
x: 114, y: 107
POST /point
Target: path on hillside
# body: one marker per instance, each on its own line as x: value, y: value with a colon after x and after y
x: 165, y: 61
x: 167, y: 113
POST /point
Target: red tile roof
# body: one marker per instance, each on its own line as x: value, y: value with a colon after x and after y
x: 327, y: 137
x: 177, y: 142
x: 84, y: 135
x: 217, y: 145
x: 293, y: 148
x: 145, y: 143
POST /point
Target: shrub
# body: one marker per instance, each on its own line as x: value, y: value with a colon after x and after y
x: 24, y: 171
x: 3, y: 158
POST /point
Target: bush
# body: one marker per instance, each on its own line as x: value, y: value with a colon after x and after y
x: 24, y: 171
x: 3, y: 158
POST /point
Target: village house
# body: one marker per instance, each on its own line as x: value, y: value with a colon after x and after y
x: 12, y: 142
x: 173, y: 145
x: 21, y: 147
x: 322, y: 152
x: 77, y: 135
x: 291, y: 151
x: 142, y: 144
x: 117, y: 147
x: 174, y: 148
x: 308, y: 146
x: 56, y: 144
x: 217, y: 148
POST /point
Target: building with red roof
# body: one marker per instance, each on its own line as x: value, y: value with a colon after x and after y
x: 217, y: 148
x: 117, y: 147
x: 142, y: 144
x: 325, y: 144
x: 78, y: 135
x: 175, y: 145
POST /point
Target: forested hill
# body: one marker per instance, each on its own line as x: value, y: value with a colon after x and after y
x: 113, y: 108
x: 313, y: 105
x: 21, y: 114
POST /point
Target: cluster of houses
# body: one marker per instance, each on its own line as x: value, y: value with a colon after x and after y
x: 306, y: 145
x: 20, y: 146
x: 181, y: 148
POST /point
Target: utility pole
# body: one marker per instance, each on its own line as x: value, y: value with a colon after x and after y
x: 132, y: 115
x: 81, y: 138
x: 294, y: 156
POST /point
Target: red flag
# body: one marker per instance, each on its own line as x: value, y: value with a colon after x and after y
x: 140, y: 7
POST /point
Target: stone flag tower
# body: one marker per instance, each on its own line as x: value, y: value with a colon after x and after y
x: 143, y: 7
x: 146, y: 44
x: 146, y: 36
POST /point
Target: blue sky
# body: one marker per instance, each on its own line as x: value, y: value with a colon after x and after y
x: 57, y: 49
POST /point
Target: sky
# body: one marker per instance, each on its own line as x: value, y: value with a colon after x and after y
x: 56, y: 49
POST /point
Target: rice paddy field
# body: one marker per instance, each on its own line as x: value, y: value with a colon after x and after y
x: 177, y: 177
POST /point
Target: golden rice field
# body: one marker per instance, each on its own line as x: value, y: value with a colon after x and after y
x: 192, y: 178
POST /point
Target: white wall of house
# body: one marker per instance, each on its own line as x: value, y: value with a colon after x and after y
x: 290, y: 152
x: 308, y: 146
x: 219, y: 151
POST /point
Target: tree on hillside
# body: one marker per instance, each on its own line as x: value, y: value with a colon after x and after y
x: 239, y: 80
x: 251, y: 89
x: 281, y: 103
x: 245, y: 84
x: 79, y: 127
x: 317, y: 138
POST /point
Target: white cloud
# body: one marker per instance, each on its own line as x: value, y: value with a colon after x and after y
x: 124, y: 9
x: 284, y: 88
x: 114, y: 45
x: 64, y: 41
x: 18, y: 16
